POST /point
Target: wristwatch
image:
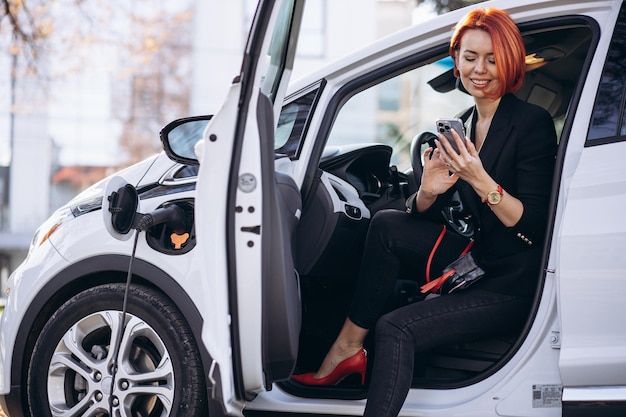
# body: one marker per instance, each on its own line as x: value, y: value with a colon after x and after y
x: 494, y: 197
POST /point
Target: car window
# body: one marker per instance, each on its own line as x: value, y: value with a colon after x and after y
x: 608, y: 120
x: 277, y: 53
x: 396, y: 110
x: 186, y: 171
x: 291, y: 124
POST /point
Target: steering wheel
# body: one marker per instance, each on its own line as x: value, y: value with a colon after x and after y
x: 455, y: 215
x: 423, y: 140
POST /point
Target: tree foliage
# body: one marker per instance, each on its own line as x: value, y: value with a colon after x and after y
x: 35, y: 29
x: 24, y: 28
x: 442, y: 6
x: 147, y: 46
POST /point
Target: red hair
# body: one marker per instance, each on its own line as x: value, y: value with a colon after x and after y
x: 508, y: 47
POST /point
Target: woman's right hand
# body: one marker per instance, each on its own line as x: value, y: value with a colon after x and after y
x: 436, y: 179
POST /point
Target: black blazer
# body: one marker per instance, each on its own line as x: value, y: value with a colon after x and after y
x: 519, y: 154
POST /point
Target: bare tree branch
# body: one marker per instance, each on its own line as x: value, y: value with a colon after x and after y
x: 27, y: 34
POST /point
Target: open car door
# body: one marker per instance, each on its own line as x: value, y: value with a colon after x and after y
x: 244, y: 223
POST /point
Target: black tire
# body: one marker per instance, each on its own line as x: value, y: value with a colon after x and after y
x: 159, y: 371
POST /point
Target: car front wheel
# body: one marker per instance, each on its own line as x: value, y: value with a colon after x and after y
x: 72, y: 369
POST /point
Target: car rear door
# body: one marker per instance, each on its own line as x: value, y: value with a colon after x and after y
x: 245, y: 218
x: 591, y: 266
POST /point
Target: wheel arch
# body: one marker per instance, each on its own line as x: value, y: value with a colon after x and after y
x: 103, y: 269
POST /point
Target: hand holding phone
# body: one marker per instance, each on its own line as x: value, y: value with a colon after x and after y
x: 445, y: 127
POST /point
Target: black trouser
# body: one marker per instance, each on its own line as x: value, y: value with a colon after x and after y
x: 397, y: 241
x: 454, y: 318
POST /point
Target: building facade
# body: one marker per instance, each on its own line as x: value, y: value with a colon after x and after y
x: 29, y: 156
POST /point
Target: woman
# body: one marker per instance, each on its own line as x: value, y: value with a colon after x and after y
x: 503, y: 173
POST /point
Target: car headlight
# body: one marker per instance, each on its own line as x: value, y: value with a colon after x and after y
x: 86, y: 206
x: 61, y: 216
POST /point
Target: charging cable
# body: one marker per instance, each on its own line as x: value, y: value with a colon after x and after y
x: 124, y: 218
x: 118, y: 341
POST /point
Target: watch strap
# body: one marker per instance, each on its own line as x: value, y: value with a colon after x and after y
x: 499, y: 191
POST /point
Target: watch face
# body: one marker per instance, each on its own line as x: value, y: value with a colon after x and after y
x: 494, y: 197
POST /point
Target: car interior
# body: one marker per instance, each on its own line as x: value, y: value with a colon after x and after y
x: 356, y: 178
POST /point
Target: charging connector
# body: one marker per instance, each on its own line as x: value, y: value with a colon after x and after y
x: 171, y: 214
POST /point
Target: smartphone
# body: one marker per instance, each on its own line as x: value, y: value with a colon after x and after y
x: 445, y: 127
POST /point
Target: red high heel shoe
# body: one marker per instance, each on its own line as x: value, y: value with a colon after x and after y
x: 356, y: 364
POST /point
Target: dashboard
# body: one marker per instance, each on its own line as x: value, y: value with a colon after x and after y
x: 365, y: 167
x: 354, y: 182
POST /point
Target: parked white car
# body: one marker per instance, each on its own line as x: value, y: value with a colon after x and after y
x: 183, y: 289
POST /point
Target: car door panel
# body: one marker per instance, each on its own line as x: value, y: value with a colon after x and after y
x: 590, y: 264
x: 237, y: 161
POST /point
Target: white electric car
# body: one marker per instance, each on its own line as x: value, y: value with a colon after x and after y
x: 196, y: 282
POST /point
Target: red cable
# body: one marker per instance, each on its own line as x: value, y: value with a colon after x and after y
x: 436, y: 246
x: 432, y: 252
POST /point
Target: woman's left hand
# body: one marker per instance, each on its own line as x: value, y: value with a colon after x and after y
x: 466, y: 165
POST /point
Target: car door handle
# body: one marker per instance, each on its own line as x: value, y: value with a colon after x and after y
x: 251, y: 229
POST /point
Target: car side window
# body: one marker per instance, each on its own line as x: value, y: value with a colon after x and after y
x: 608, y: 121
x: 187, y: 171
x: 292, y: 123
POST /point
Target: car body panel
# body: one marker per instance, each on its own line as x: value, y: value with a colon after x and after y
x: 587, y: 243
x: 591, y: 271
x: 40, y: 263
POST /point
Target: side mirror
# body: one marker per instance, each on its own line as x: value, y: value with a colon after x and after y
x: 180, y: 137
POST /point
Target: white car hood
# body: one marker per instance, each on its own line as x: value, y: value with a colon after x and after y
x: 148, y: 171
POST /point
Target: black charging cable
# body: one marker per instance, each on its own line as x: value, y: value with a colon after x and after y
x: 124, y: 218
x: 118, y: 341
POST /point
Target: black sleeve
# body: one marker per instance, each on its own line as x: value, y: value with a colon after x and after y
x: 534, y: 170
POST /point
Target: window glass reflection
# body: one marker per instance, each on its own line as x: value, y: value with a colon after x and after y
x: 608, y: 119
